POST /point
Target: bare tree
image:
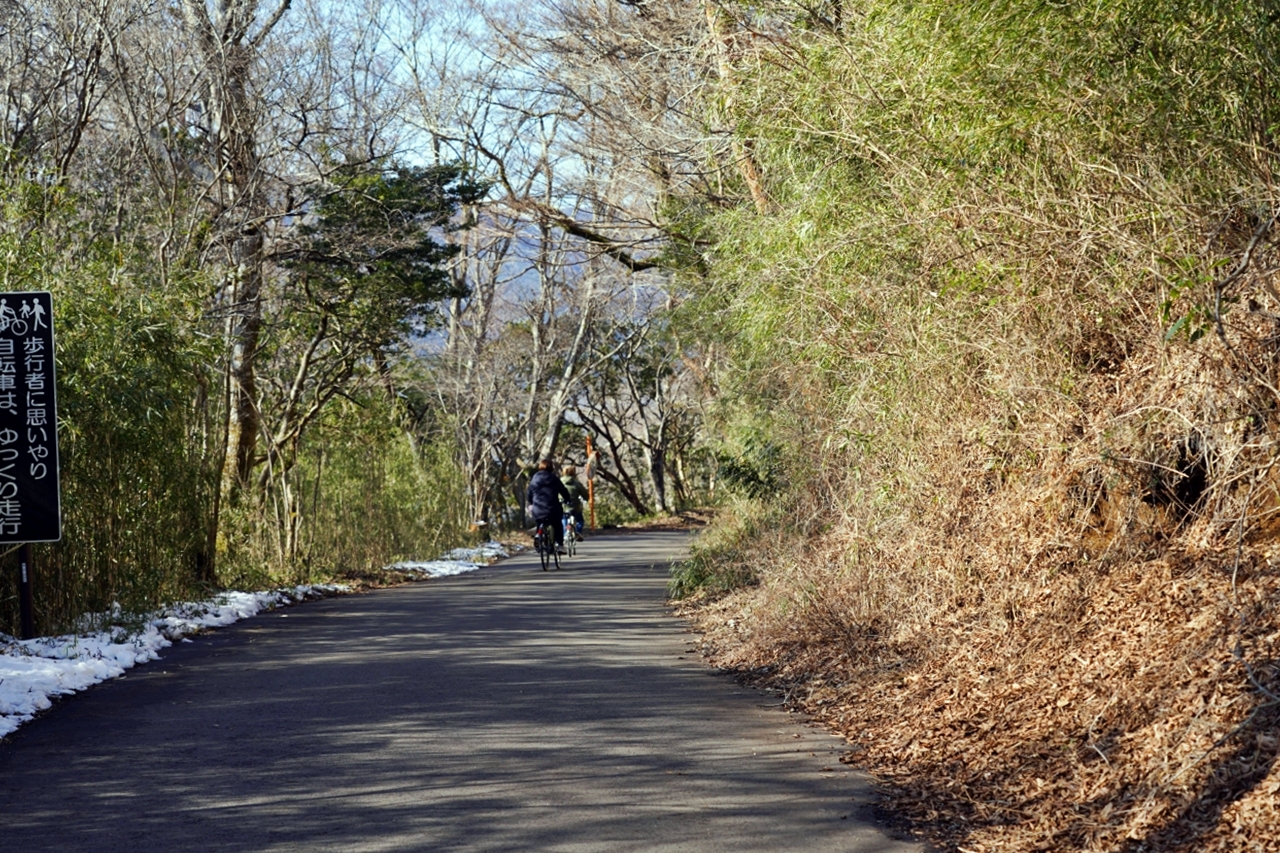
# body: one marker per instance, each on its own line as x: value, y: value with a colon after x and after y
x: 53, y: 80
x: 642, y: 402
x: 229, y: 37
x: 590, y: 118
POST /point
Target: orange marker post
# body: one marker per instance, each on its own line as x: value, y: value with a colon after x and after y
x: 591, y: 483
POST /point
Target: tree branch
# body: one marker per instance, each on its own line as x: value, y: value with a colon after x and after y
x: 577, y: 229
x: 270, y: 25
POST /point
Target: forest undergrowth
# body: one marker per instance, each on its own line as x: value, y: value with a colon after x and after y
x: 1038, y: 644
x: 1012, y: 328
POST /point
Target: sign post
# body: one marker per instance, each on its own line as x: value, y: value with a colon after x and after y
x: 30, y: 494
x: 26, y: 601
x: 591, y: 482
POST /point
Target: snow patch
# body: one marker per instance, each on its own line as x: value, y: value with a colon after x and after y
x: 33, y: 672
x: 456, y: 562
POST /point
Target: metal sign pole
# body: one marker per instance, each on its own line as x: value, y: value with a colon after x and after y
x: 25, y: 599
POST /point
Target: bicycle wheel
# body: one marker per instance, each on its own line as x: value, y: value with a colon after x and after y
x: 544, y: 550
x: 570, y: 536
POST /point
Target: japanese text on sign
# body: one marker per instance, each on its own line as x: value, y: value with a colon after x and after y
x: 30, y: 506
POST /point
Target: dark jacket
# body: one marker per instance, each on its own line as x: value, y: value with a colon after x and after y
x: 545, y: 493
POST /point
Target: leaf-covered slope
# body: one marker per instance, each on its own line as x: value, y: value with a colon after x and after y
x: 1013, y: 323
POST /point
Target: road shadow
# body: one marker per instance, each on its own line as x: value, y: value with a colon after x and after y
x: 503, y: 710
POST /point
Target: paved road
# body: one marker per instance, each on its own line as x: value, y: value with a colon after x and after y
x: 503, y: 710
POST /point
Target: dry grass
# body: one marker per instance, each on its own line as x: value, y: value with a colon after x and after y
x: 1053, y: 653
x: 1122, y: 709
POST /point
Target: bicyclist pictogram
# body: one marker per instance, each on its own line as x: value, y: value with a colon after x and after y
x: 11, y: 322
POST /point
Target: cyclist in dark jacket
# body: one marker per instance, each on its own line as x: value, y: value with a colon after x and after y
x: 544, y: 497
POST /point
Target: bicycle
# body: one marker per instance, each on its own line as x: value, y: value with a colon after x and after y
x: 8, y: 323
x: 544, y: 540
x: 570, y: 534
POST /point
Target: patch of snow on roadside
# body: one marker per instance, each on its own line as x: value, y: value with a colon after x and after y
x: 32, y: 672
x: 456, y: 562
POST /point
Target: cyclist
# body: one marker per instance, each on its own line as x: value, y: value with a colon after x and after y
x: 544, y: 497
x: 578, y: 495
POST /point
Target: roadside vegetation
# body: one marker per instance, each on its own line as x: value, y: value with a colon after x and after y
x: 1009, y: 320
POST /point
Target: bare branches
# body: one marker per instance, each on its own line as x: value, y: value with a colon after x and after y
x: 270, y: 24
x: 576, y: 228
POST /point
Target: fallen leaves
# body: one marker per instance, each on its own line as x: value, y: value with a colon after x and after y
x: 1143, y: 725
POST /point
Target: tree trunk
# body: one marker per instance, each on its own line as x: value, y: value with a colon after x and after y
x: 658, y: 478
x: 743, y: 149
x: 244, y: 331
x: 227, y: 53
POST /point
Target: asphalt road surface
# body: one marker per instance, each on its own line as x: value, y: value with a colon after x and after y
x: 503, y: 710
